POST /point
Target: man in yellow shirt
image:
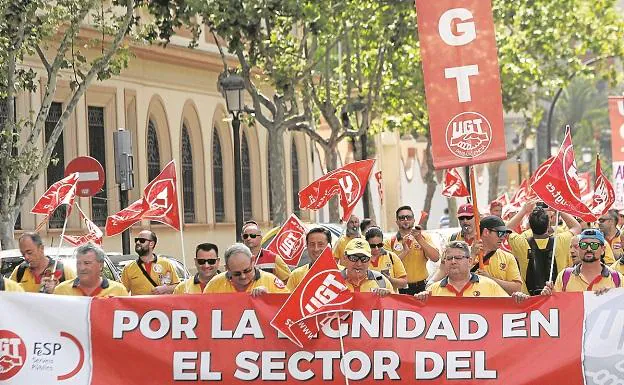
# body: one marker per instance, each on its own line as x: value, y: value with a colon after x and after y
x: 9, y: 285
x: 35, y: 274
x: 590, y: 274
x: 608, y: 226
x: 242, y: 276
x: 460, y: 281
x: 90, y: 282
x: 468, y: 232
x: 498, y: 264
x: 358, y: 276
x: 149, y: 274
x: 206, y: 263
x: 263, y: 259
x: 384, y: 261
x: 534, y: 253
x: 352, y: 231
x: 414, y: 248
x: 317, y: 239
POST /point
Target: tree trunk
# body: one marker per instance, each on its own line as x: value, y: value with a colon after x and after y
x: 452, y: 207
x: 429, y: 179
x: 331, y: 162
x: 7, y: 223
x: 278, y: 174
x: 493, y: 171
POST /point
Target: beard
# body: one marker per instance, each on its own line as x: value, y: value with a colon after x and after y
x: 141, y: 251
x: 589, y: 258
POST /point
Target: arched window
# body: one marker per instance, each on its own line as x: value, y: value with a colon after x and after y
x: 153, y: 152
x: 294, y: 169
x: 188, y: 188
x: 246, y: 176
x: 217, y: 177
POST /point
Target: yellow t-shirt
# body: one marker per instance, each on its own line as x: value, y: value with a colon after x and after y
x: 613, y: 249
x: 415, y: 262
x: 10, y: 285
x: 31, y: 283
x: 578, y: 282
x: 520, y: 247
x: 502, y: 265
x: 107, y: 289
x: 340, y: 246
x: 390, y: 262
x: 368, y: 284
x: 296, y: 276
x: 191, y: 286
x: 618, y: 266
x: 274, y: 264
x: 222, y: 284
x: 161, y: 271
x: 477, y: 286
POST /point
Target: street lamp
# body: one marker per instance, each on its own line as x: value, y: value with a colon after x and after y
x: 233, y: 88
x: 519, y: 161
x: 529, y: 144
x: 586, y: 155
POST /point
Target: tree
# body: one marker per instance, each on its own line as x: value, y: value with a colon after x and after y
x: 50, y: 31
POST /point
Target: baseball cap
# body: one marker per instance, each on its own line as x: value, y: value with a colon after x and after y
x: 465, y: 210
x: 358, y: 246
x: 593, y: 234
x: 493, y: 222
x: 495, y: 204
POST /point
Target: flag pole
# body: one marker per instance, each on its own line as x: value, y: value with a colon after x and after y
x: 342, y: 351
x: 181, y: 221
x: 552, y: 255
x: 475, y: 208
x: 58, y: 249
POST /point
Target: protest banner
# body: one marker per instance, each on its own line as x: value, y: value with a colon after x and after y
x: 616, y: 117
x: 569, y: 338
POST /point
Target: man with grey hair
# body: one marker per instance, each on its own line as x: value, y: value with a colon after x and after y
x: 35, y: 274
x: 90, y: 282
x: 242, y: 276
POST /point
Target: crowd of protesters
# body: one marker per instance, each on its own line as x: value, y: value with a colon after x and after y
x: 494, y: 258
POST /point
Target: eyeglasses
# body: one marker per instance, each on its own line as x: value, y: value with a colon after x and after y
x: 500, y: 233
x: 465, y: 218
x: 405, y: 217
x: 593, y: 245
x: 141, y: 240
x: 202, y: 262
x: 456, y: 257
x: 252, y: 236
x: 376, y: 245
x: 239, y: 273
x: 358, y: 257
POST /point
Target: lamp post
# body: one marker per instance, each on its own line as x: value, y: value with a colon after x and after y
x: 529, y: 144
x: 233, y: 87
x: 519, y: 162
x: 586, y: 157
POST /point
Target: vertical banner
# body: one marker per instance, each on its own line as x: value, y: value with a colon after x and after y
x: 616, y: 116
x: 462, y: 82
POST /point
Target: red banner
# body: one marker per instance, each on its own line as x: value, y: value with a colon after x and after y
x: 616, y: 116
x: 603, y: 194
x: 228, y: 338
x: 462, y: 82
x: 289, y: 242
x: 59, y: 193
x: 94, y: 234
x: 162, y: 197
x: 454, y: 185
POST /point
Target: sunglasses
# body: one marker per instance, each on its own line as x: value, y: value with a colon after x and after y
x: 456, y: 257
x: 376, y: 245
x: 202, y: 262
x: 405, y: 217
x: 252, y: 236
x: 465, y: 218
x: 358, y: 257
x: 593, y: 245
x: 141, y: 240
x: 239, y: 273
x: 500, y: 233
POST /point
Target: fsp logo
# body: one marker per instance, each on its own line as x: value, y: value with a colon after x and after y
x: 12, y: 354
x: 324, y: 289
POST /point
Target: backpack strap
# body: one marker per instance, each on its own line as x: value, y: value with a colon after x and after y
x: 21, y: 269
x: 566, y: 277
x: 1, y: 282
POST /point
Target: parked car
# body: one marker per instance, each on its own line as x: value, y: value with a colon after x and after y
x: 122, y: 260
x: 10, y: 259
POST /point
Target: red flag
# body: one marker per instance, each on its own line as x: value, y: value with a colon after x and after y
x: 321, y: 294
x: 558, y: 185
x: 162, y: 198
x: 93, y: 235
x: 380, y: 186
x: 349, y: 182
x: 117, y: 223
x: 289, y: 242
x: 604, y: 195
x: 454, y: 185
x: 61, y: 192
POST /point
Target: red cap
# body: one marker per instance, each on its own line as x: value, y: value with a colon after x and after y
x: 495, y: 204
x: 465, y: 210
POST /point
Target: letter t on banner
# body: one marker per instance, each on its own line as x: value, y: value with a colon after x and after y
x: 462, y: 82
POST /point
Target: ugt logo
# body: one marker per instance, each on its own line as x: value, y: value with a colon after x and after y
x: 12, y: 354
